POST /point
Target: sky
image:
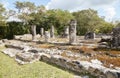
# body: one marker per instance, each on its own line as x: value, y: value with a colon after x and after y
x: 107, y: 8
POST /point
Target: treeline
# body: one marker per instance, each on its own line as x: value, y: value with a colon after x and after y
x: 30, y: 14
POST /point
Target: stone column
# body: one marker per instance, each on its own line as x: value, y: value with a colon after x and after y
x: 33, y: 31
x: 72, y: 32
x: 66, y: 32
x: 52, y: 32
x: 42, y: 32
x: 94, y: 35
x: 47, y: 36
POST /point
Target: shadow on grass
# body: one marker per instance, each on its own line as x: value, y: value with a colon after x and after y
x: 71, y: 71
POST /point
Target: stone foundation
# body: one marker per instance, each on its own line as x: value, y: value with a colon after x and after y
x: 26, y: 54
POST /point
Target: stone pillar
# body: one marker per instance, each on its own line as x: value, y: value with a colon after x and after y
x: 33, y: 31
x: 42, y: 32
x: 52, y: 32
x: 66, y: 32
x: 47, y: 36
x: 72, y: 32
x: 94, y: 35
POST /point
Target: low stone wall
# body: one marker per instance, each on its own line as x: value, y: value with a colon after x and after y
x: 81, y: 66
x: 25, y: 37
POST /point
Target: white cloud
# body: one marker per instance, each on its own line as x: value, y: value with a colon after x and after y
x: 63, y: 4
x: 13, y: 18
x: 5, y: 4
x: 74, y: 5
x: 110, y: 13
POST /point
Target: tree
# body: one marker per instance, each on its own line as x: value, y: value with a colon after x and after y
x: 2, y: 16
x: 105, y: 28
x: 88, y: 20
x: 118, y: 25
x: 25, y: 9
x: 58, y: 18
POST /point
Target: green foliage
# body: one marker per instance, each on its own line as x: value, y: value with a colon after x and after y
x: 118, y: 25
x: 2, y: 17
x: 13, y: 28
x: 58, y: 18
x: 24, y: 9
x: 3, y: 31
x: 30, y: 14
x: 17, y: 28
x: 88, y: 20
x: 105, y: 28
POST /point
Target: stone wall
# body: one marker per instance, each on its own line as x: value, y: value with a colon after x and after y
x: 116, y: 37
x: 81, y: 66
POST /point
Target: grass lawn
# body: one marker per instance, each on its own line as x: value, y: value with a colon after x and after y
x: 10, y: 69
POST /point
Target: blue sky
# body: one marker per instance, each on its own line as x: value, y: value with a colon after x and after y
x: 108, y: 8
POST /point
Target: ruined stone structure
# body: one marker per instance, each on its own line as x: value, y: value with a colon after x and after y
x: 89, y: 35
x: 42, y: 32
x: 116, y: 37
x: 52, y: 32
x: 33, y: 31
x: 66, y: 32
x: 47, y: 36
x: 25, y: 53
x: 72, y: 32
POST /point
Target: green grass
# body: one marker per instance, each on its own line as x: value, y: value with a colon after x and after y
x: 10, y: 69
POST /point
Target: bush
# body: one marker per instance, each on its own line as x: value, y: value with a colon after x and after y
x: 13, y: 28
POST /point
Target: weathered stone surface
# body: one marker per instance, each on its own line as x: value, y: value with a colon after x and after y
x: 115, y: 42
x: 89, y: 35
x: 26, y: 48
x: 2, y: 44
x: 69, y: 61
x: 5, y: 40
x: 1, y: 41
x: 29, y: 36
x: 14, y: 46
x: 23, y: 37
x: 42, y: 32
x: 27, y: 57
x: 52, y: 32
x: 111, y: 75
x: 18, y: 36
x: 72, y: 32
x: 45, y: 57
x: 66, y: 32
x: 33, y: 31
x: 47, y: 36
x: 11, y: 52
